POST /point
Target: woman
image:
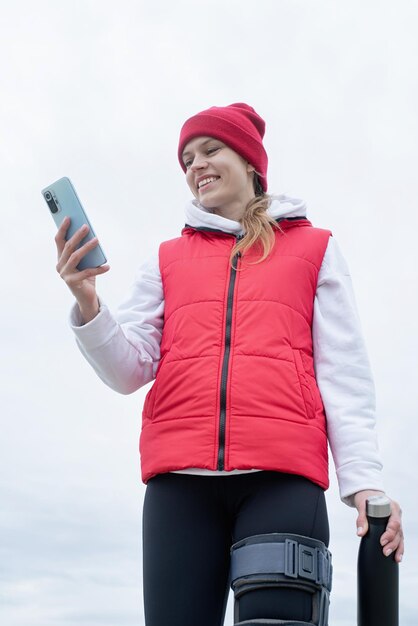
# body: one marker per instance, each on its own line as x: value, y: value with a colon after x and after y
x: 248, y: 323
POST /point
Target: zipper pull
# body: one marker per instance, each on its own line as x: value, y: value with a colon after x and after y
x: 238, y: 255
x: 238, y: 238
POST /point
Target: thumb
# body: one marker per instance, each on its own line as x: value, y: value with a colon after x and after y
x: 361, y: 522
x: 360, y: 500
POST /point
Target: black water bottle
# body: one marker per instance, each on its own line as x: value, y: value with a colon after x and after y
x: 377, y: 574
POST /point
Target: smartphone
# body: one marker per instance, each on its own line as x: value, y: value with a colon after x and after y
x: 62, y: 200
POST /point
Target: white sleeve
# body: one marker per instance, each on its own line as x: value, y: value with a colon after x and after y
x: 344, y: 379
x: 124, y: 349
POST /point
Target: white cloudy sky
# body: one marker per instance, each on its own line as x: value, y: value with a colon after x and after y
x: 97, y: 91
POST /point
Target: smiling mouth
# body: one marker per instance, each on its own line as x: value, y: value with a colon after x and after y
x: 207, y: 181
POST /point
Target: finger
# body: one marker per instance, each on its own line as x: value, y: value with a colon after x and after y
x: 67, y: 247
x: 74, y: 241
x: 390, y: 534
x: 87, y: 273
x: 393, y: 528
x: 70, y: 249
x: 81, y: 252
x: 392, y: 540
x: 94, y: 271
x: 400, y: 551
x: 60, y: 239
x: 394, y: 546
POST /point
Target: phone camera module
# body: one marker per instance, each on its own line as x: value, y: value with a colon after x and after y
x: 53, y: 206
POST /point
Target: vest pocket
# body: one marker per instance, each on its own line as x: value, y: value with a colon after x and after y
x: 149, y: 402
x: 305, y: 388
x: 148, y: 407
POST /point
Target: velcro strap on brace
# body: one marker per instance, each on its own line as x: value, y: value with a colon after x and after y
x: 272, y: 622
x: 279, y: 553
x: 282, y: 560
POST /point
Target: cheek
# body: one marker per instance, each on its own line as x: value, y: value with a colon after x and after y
x: 238, y: 178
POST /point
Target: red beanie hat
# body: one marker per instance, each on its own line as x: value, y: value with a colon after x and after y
x: 237, y: 125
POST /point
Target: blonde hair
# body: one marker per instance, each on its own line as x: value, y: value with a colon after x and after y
x: 258, y: 225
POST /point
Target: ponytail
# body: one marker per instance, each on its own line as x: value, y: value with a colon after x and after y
x: 258, y: 225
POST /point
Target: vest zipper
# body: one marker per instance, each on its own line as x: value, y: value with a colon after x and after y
x: 225, y: 362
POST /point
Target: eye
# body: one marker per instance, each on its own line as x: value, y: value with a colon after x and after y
x: 212, y: 150
x: 188, y: 163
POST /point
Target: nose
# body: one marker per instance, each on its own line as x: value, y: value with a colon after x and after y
x: 199, y: 163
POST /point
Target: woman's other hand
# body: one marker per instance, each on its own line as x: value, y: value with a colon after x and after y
x: 392, y: 539
x: 82, y: 284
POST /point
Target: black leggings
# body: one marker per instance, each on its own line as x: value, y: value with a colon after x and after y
x: 189, y: 525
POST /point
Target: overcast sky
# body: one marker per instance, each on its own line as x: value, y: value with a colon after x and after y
x: 97, y: 91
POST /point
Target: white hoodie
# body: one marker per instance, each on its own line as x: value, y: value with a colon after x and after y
x: 124, y: 350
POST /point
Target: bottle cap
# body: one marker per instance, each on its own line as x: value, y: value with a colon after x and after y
x: 378, y: 506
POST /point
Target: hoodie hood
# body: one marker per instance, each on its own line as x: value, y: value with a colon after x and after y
x: 281, y: 206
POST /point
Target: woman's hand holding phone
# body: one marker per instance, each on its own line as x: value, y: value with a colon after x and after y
x: 82, y: 283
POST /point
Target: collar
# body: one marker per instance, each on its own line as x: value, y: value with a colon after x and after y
x: 281, y: 207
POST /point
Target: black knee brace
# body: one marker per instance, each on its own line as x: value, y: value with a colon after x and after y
x: 282, y: 560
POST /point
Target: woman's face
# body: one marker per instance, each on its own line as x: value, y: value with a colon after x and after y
x: 218, y: 177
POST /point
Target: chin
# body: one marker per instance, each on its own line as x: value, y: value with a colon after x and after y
x: 213, y: 203
x: 207, y: 204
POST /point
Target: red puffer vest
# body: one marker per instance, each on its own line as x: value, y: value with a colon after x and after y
x: 235, y: 387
